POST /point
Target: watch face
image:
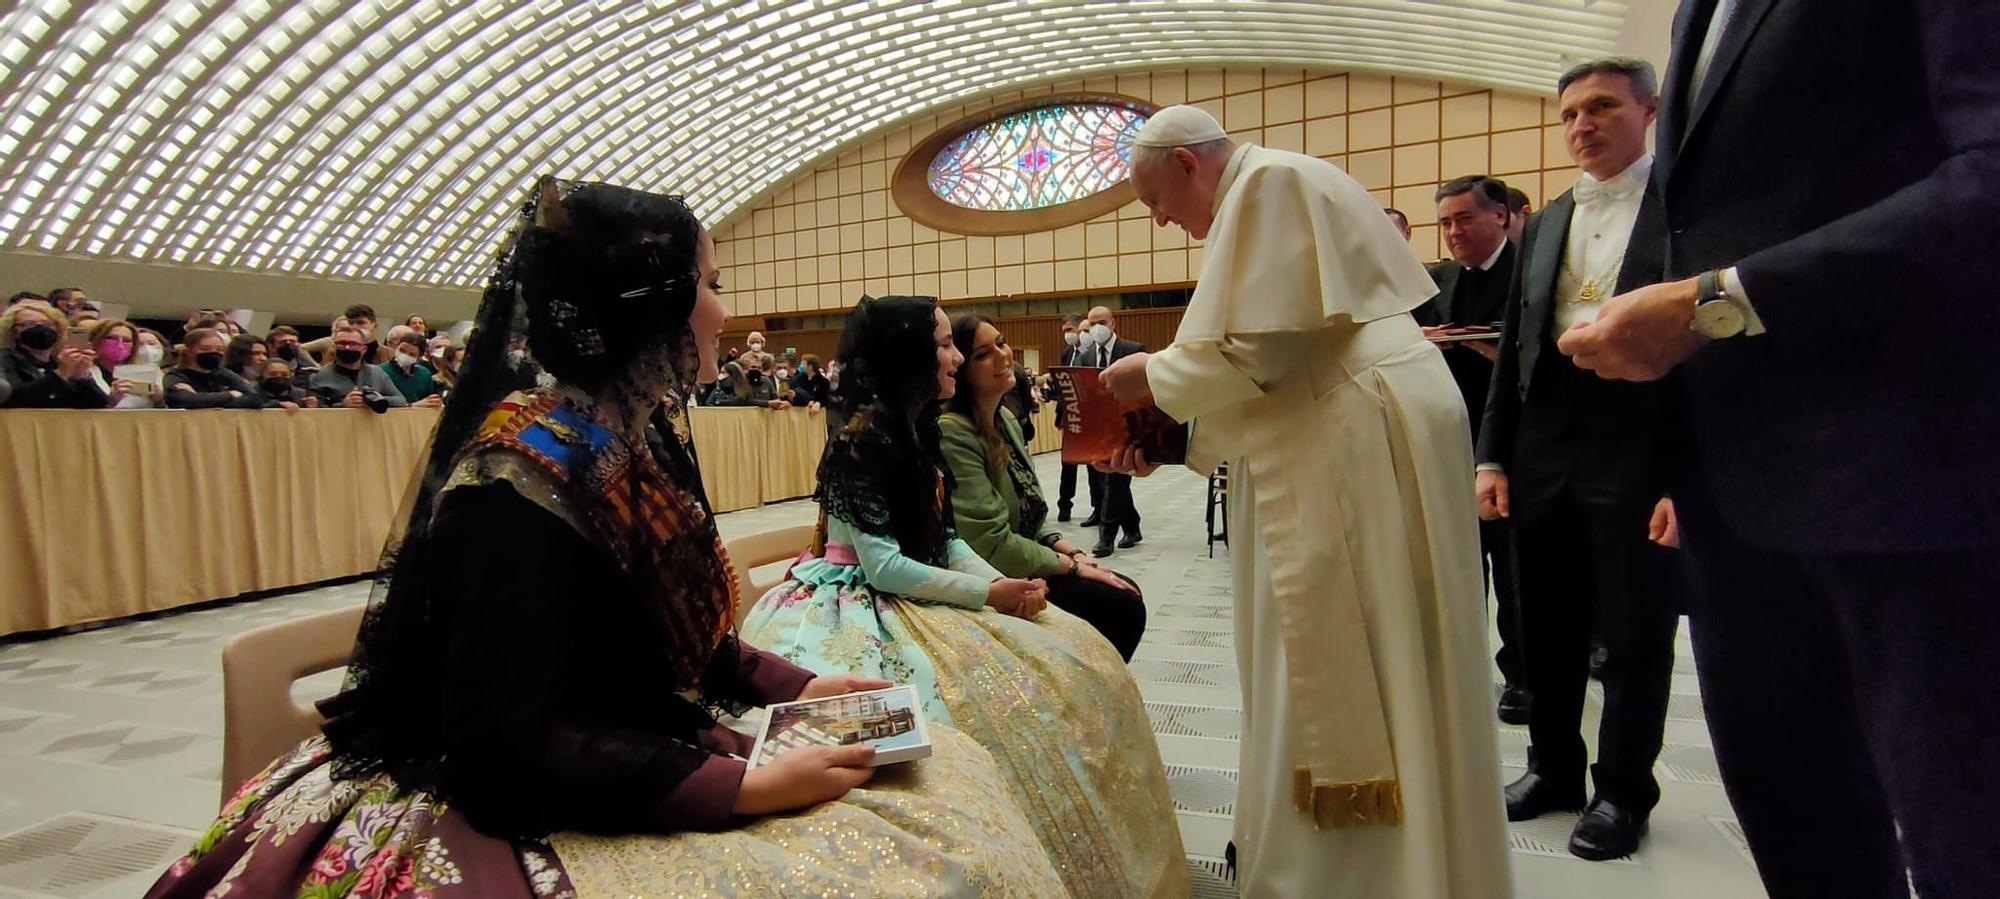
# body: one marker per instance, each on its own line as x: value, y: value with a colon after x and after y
x: 1717, y: 319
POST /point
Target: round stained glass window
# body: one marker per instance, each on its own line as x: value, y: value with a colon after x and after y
x: 1037, y: 158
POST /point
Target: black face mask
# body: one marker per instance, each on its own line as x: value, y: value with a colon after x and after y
x: 277, y: 386
x: 348, y: 357
x: 288, y: 352
x: 38, y: 337
x: 756, y: 378
x: 208, y: 361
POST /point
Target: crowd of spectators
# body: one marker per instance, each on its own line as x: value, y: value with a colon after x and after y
x: 58, y: 351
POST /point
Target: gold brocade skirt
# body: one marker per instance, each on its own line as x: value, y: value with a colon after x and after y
x: 1057, y: 708
x: 943, y: 826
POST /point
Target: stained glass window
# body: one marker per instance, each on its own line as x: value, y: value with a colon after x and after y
x: 1038, y: 157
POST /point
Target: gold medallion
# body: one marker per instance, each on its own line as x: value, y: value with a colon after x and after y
x: 1587, y: 293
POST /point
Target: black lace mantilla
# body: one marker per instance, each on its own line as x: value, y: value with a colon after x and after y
x: 882, y: 488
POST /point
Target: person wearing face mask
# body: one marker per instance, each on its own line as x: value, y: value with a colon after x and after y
x: 809, y: 386
x: 284, y: 345
x: 115, y: 341
x: 756, y: 357
x: 1116, y: 512
x: 275, y: 385
x: 39, y: 371
x: 1075, y: 341
x: 412, y: 380
x: 350, y: 381
x: 203, y: 380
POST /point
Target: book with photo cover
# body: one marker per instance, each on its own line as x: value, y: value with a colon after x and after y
x: 1469, y: 332
x: 891, y: 720
x: 1095, y: 424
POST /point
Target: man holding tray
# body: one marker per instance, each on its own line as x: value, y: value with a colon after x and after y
x: 1368, y: 762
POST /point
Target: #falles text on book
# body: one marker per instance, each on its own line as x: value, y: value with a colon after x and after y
x: 891, y: 720
x: 1096, y: 424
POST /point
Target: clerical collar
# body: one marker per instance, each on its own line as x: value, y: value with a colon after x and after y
x: 1492, y: 260
x: 1633, y: 178
x: 1229, y: 172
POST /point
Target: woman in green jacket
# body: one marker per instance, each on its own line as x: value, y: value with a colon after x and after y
x: 997, y: 503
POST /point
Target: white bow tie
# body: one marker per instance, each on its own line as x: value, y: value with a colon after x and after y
x: 1590, y: 191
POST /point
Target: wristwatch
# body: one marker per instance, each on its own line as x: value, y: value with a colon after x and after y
x: 1716, y: 314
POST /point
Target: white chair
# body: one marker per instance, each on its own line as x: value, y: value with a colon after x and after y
x: 259, y: 719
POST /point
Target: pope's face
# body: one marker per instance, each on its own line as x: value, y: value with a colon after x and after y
x: 1177, y: 192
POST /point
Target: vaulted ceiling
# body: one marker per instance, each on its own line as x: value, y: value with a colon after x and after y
x: 379, y: 140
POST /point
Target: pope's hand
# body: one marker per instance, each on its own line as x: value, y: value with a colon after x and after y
x: 1126, y: 460
x: 1126, y: 379
x: 1639, y: 336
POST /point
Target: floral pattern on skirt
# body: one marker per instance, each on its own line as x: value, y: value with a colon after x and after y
x: 826, y: 618
x: 295, y: 829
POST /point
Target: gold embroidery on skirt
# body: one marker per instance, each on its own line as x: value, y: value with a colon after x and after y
x: 1038, y: 694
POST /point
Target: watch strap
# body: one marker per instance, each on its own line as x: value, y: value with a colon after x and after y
x: 1708, y: 287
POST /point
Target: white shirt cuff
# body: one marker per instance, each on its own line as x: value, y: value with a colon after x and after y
x: 1490, y: 466
x: 1732, y: 284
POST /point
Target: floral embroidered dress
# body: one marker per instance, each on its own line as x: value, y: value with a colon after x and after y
x: 577, y: 749
x: 1049, y: 698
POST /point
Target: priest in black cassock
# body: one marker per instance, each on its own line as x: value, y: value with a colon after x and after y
x: 1472, y: 290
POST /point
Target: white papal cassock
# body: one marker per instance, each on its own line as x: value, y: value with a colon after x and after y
x: 1368, y: 763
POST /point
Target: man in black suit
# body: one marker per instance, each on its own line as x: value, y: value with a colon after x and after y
x: 1830, y: 174
x: 1580, y: 466
x: 1101, y: 347
x: 1072, y: 330
x: 1472, y: 290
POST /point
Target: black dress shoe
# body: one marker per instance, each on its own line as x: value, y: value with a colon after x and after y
x: 1092, y: 521
x: 1514, y: 702
x: 1132, y: 538
x: 1103, y: 547
x: 1534, y: 796
x: 1606, y: 832
x: 1062, y: 515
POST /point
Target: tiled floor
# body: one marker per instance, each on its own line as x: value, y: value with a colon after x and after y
x: 110, y: 740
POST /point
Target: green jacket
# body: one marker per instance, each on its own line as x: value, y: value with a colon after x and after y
x: 990, y: 516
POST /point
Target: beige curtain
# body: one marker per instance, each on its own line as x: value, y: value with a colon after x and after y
x: 108, y: 514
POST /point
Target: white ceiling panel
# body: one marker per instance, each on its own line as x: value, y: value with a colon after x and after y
x: 385, y: 140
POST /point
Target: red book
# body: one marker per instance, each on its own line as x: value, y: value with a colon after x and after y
x: 1095, y: 424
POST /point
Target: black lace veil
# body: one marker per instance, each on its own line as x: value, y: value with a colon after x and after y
x: 540, y: 286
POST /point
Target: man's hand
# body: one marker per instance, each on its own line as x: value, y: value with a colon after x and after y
x: 841, y: 684
x: 780, y: 404
x: 1126, y: 460
x: 354, y: 400
x: 288, y: 405
x: 430, y: 402
x: 1664, y: 529
x: 1639, y: 336
x: 312, y: 402
x: 1491, y: 489
x: 1126, y: 379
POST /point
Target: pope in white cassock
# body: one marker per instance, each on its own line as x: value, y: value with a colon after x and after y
x: 1368, y: 762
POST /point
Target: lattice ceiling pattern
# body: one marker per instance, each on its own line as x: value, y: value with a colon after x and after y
x: 383, y: 140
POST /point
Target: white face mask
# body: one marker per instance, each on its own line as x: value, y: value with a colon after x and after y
x: 515, y: 356
x: 1069, y: 337
x: 405, y: 361
x: 148, y: 355
x: 756, y: 346
x: 1100, y: 334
